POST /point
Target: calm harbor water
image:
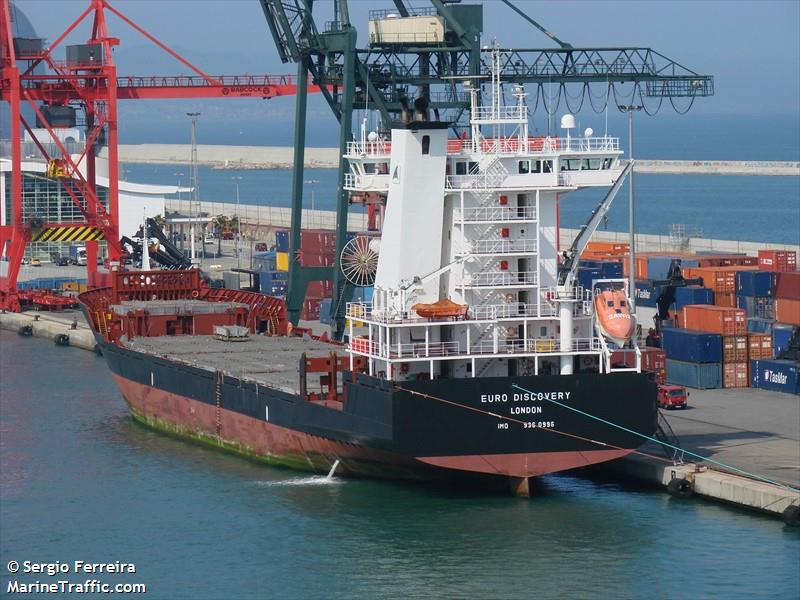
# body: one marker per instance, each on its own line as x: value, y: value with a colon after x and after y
x: 80, y: 480
x: 747, y: 208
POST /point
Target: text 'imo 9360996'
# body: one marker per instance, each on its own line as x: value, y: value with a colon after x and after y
x: 478, y: 355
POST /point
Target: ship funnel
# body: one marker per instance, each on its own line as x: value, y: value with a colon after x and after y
x: 405, y: 115
x: 421, y: 109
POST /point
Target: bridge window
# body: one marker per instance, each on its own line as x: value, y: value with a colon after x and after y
x: 547, y: 166
x: 369, y: 168
x: 537, y: 166
x: 426, y: 144
x: 461, y: 168
x: 473, y: 167
x: 606, y: 163
x: 524, y: 166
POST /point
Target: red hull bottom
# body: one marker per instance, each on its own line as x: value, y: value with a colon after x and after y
x: 267, y: 442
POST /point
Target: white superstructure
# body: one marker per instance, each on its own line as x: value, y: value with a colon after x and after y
x: 475, y: 221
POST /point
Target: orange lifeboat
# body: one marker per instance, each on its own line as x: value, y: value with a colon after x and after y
x: 443, y: 309
x: 614, y: 316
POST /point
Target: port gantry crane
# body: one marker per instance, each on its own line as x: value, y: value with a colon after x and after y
x: 389, y: 70
x: 31, y: 75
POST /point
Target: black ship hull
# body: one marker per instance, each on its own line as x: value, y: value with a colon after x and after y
x: 515, y: 427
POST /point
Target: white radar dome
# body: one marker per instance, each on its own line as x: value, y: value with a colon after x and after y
x: 372, y: 136
x: 568, y: 121
x: 375, y: 245
x: 589, y: 132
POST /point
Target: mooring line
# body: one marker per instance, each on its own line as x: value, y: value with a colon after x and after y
x: 657, y: 441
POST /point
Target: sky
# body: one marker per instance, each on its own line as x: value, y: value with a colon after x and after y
x: 752, y: 48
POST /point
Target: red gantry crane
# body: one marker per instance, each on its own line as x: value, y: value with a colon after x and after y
x: 87, y: 81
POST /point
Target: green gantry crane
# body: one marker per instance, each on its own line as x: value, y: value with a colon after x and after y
x: 388, y: 71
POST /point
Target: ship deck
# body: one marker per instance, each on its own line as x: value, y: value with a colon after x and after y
x: 271, y: 361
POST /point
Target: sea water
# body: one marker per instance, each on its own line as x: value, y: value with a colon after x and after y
x: 80, y: 480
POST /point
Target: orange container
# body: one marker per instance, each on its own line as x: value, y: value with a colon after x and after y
x: 608, y: 247
x: 734, y: 348
x: 715, y: 319
x: 726, y: 300
x: 734, y: 375
x: 787, y: 311
x: 720, y: 279
x: 759, y: 345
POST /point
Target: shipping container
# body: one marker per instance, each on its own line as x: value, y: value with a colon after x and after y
x: 781, y: 336
x: 658, y: 266
x: 720, y: 279
x: 787, y: 311
x: 725, y: 300
x: 692, y: 346
x: 759, y: 345
x: 646, y: 293
x: 264, y: 261
x: 777, y: 260
x: 728, y: 261
x: 692, y: 294
x: 585, y: 277
x: 319, y: 289
x: 787, y: 285
x: 702, y: 376
x: 715, y: 319
x: 653, y: 360
x: 734, y: 375
x: 755, y: 283
x: 282, y: 240
x: 763, y: 308
x: 734, y: 348
x: 759, y: 325
x: 310, y: 309
x: 777, y: 375
x: 325, y: 311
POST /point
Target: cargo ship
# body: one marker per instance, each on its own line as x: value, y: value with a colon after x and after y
x: 479, y: 356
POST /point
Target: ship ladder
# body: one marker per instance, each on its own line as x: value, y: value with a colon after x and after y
x: 671, y: 445
x: 102, y: 324
x: 218, y: 402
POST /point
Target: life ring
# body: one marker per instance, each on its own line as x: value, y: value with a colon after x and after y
x: 791, y: 515
x: 195, y: 293
x: 62, y: 339
x: 25, y: 331
x: 680, y: 488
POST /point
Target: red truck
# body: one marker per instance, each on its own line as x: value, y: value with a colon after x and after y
x: 672, y: 396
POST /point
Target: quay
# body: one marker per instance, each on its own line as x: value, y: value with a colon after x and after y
x: 281, y: 157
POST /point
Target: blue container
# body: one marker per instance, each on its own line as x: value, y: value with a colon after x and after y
x: 777, y: 375
x: 685, y: 296
x: 658, y: 266
x: 265, y: 261
x: 692, y: 346
x: 646, y: 294
x: 611, y: 270
x: 703, y: 376
x: 718, y: 253
x: 282, y: 240
x: 755, y: 283
x: 762, y: 307
x: 590, y: 264
x: 272, y: 288
x: 586, y: 276
x: 781, y: 335
x: 325, y: 311
x: 757, y: 325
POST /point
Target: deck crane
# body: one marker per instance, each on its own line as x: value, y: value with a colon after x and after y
x: 386, y: 72
x: 30, y: 75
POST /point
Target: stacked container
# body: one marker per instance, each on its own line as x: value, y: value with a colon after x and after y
x: 777, y: 260
x: 777, y: 375
x: 694, y: 358
x: 731, y: 325
x: 787, y: 298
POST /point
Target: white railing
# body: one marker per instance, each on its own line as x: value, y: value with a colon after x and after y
x: 500, y: 279
x: 421, y: 349
x: 499, y: 113
x: 535, y: 346
x: 373, y: 181
x: 377, y: 148
x: 497, y: 213
x: 520, y: 310
x: 501, y: 246
x: 360, y: 311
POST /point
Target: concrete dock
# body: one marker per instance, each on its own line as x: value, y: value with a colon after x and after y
x: 755, y: 431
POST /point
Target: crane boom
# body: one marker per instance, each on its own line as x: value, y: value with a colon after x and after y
x: 571, y: 257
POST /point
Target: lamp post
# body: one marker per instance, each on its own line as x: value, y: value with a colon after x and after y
x: 180, y: 207
x: 311, y: 182
x: 193, y: 177
x: 237, y: 179
x: 630, y: 109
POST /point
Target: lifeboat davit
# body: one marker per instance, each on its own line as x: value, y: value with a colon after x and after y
x: 614, y: 316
